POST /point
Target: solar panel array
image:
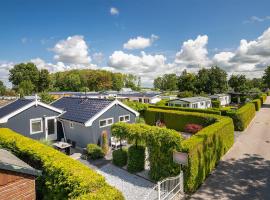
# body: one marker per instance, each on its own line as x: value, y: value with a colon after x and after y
x: 80, y: 109
x: 14, y: 106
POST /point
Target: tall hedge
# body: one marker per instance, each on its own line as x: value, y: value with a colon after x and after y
x: 208, y: 111
x: 205, y: 149
x: 177, y: 120
x: 62, y: 177
x: 160, y: 143
x: 263, y: 98
x: 243, y: 116
x: 216, y: 103
x: 136, y: 158
x: 257, y: 103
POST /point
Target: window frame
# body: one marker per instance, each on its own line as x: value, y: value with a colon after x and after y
x: 124, y: 118
x: 31, y: 127
x: 107, y: 119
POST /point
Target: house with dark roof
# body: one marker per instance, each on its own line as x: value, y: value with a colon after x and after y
x: 17, y: 179
x: 142, y: 97
x: 31, y: 118
x: 191, y: 102
x: 85, y: 119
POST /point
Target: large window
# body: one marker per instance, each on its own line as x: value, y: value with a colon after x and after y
x: 105, y: 122
x: 36, y: 125
x: 124, y: 118
x: 194, y: 105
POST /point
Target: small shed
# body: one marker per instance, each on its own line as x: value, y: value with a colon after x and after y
x: 17, y: 179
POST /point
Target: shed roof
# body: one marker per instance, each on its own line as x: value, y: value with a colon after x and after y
x: 192, y: 99
x: 11, y: 163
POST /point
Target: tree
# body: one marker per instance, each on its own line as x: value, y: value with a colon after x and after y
x: 117, y: 81
x: 158, y: 83
x: 217, y: 82
x: 2, y: 88
x: 73, y: 82
x: 187, y: 82
x: 167, y: 82
x: 44, y: 80
x: 238, y: 83
x: 45, y: 97
x: 24, y: 72
x: 266, y: 77
x: 26, y: 88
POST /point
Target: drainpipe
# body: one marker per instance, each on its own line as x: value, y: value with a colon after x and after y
x: 65, y: 138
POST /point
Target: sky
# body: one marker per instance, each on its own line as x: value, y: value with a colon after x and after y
x: 144, y: 38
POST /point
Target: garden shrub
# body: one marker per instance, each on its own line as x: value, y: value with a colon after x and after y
x: 215, y: 103
x: 192, y: 128
x: 160, y: 143
x: 204, y: 150
x: 243, y: 116
x: 257, y: 103
x: 105, y: 145
x: 263, y: 98
x: 94, y: 151
x: 120, y: 157
x: 268, y: 93
x: 208, y: 111
x: 177, y: 120
x: 136, y: 158
x: 62, y: 177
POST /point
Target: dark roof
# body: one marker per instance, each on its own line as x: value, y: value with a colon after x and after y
x: 9, y: 108
x: 137, y: 94
x: 80, y: 109
x: 11, y: 163
x: 192, y: 99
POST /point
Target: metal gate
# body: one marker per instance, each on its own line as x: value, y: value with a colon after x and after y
x: 168, y: 189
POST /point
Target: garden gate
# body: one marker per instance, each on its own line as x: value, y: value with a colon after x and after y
x: 167, y: 189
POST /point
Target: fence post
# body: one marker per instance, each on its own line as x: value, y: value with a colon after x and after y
x: 159, y: 191
x: 181, y: 182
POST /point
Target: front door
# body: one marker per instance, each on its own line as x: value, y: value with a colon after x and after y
x: 51, y: 129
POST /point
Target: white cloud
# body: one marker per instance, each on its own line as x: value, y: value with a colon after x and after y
x: 73, y: 50
x: 98, y: 57
x: 254, y: 19
x: 4, y: 72
x: 114, y: 11
x: 140, y: 42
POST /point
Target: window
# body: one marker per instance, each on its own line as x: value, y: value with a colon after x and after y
x: 105, y: 122
x: 71, y: 125
x: 195, y: 105
x: 124, y: 118
x: 202, y: 103
x: 36, y: 125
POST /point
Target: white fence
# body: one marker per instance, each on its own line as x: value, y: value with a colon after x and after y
x: 167, y: 189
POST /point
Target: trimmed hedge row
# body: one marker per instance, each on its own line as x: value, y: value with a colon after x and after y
x: 205, y: 149
x: 257, y: 103
x: 215, y: 103
x: 242, y: 116
x: 263, y: 98
x: 160, y: 143
x: 198, y: 110
x: 136, y: 157
x: 177, y: 120
x: 120, y: 157
x: 62, y: 177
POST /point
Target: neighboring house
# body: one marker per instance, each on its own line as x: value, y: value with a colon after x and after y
x: 31, y: 118
x: 191, y: 102
x: 17, y: 179
x: 85, y: 119
x: 151, y: 98
x: 224, y: 99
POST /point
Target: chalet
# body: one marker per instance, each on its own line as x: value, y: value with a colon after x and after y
x: 85, y: 119
x: 141, y: 97
x: 191, y: 102
x: 224, y: 99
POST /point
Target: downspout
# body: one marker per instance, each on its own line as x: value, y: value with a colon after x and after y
x: 65, y: 138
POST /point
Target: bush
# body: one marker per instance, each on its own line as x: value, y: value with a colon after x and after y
x: 177, y: 120
x: 193, y: 128
x: 204, y: 150
x: 257, y: 103
x: 105, y: 145
x: 94, y: 151
x: 215, y: 103
x: 120, y: 157
x: 243, y: 116
x: 263, y: 98
x: 136, y: 157
x: 208, y: 111
x: 62, y: 177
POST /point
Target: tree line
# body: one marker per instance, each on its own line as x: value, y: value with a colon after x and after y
x: 211, y: 81
x: 26, y: 79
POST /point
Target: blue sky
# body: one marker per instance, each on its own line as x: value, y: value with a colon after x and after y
x: 31, y: 29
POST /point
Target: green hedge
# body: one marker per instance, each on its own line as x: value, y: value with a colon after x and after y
x: 94, y: 151
x: 257, y: 103
x: 136, y: 158
x: 208, y: 111
x: 205, y: 149
x: 263, y: 98
x: 177, y: 120
x: 120, y: 157
x: 215, y: 103
x: 243, y: 116
x: 62, y: 177
x: 160, y: 143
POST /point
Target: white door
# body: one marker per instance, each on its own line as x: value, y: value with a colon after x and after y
x: 51, y: 128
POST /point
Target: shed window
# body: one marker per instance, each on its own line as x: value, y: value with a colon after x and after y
x: 105, y: 122
x: 124, y: 118
x: 36, y: 126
